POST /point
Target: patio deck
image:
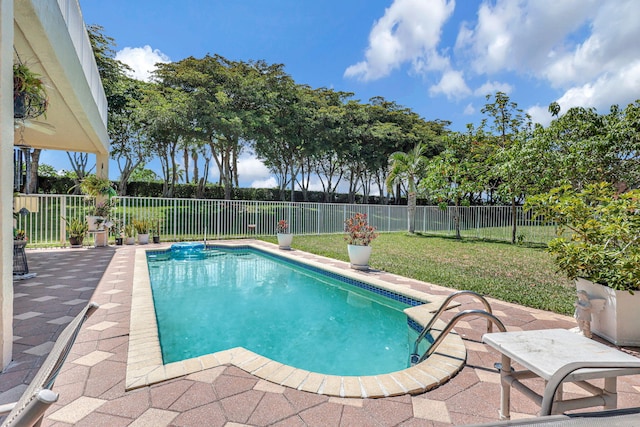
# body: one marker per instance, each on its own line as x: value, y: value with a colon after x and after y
x: 92, y: 383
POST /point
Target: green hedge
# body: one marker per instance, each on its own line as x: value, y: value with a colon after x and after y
x: 62, y: 185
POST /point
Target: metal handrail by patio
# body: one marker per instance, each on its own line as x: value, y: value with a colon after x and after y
x: 414, y: 357
x: 432, y: 348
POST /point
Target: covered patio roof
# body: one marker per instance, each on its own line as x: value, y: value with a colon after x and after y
x: 50, y: 38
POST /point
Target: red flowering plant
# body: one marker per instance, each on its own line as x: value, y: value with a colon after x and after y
x: 282, y: 227
x: 358, y: 230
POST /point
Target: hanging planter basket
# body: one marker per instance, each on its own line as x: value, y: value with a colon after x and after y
x: 29, y: 94
x: 26, y: 106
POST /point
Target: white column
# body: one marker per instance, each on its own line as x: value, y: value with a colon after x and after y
x: 6, y: 181
x: 102, y: 165
x: 102, y: 171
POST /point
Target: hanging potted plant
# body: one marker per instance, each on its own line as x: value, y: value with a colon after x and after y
x: 359, y: 236
x: 285, y: 238
x: 601, y: 252
x: 29, y: 93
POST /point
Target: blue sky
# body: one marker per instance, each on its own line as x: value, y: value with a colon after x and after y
x: 438, y: 57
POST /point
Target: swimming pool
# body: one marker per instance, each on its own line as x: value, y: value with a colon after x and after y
x: 220, y: 298
x: 145, y: 365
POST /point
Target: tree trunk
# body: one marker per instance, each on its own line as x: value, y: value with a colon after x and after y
x: 411, y: 211
x: 33, y: 178
x: 196, y: 172
x: 185, y: 156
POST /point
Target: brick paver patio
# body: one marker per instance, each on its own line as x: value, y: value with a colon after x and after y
x: 92, y: 383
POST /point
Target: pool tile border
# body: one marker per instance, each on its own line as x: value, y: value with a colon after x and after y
x: 144, y: 361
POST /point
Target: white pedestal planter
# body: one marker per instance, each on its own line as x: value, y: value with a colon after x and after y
x: 95, y: 223
x: 359, y: 256
x: 618, y: 322
x: 143, y: 238
x: 129, y: 240
x: 284, y: 240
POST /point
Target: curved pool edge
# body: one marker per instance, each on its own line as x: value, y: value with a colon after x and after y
x: 144, y: 361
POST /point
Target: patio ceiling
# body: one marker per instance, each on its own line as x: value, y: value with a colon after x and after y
x: 50, y: 39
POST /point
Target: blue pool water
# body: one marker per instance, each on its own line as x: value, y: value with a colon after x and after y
x: 283, y: 311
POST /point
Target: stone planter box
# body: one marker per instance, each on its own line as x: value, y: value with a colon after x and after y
x: 619, y: 321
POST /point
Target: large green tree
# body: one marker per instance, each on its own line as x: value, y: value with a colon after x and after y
x: 508, y: 125
x: 458, y: 172
x: 128, y: 141
x: 165, y: 124
x: 224, y: 105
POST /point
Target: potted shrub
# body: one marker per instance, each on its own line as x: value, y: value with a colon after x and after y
x: 156, y: 231
x: 359, y: 236
x: 95, y: 189
x: 142, y: 227
x: 29, y: 93
x: 116, y: 229
x: 76, y: 230
x: 129, y: 234
x: 285, y: 238
x: 601, y: 251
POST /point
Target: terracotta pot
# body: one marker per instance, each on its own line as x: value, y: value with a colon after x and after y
x: 76, y: 242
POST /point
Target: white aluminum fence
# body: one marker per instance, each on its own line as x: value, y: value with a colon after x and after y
x: 191, y: 219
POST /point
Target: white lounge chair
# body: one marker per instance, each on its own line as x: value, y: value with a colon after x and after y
x: 29, y: 410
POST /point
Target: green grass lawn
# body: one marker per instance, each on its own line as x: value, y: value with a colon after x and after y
x: 519, y: 274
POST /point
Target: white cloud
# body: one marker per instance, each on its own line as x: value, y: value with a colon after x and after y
x: 522, y: 35
x: 469, y: 110
x: 265, y: 183
x: 586, y: 47
x: 490, y: 88
x: 621, y: 87
x: 452, y: 85
x: 410, y: 30
x: 610, y: 46
x: 540, y: 115
x: 251, y: 169
x: 142, y: 60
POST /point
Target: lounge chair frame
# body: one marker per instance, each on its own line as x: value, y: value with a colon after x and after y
x: 30, y: 409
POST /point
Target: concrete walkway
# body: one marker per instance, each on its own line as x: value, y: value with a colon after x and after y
x: 91, y: 385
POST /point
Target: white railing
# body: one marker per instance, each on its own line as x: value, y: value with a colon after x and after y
x: 195, y: 219
x: 72, y: 15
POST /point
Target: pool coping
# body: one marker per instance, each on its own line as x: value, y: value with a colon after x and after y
x: 144, y: 359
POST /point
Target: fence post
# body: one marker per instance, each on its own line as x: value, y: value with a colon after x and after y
x: 63, y: 224
x: 175, y: 220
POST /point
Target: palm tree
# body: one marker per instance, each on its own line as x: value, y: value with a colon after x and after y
x: 407, y: 167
